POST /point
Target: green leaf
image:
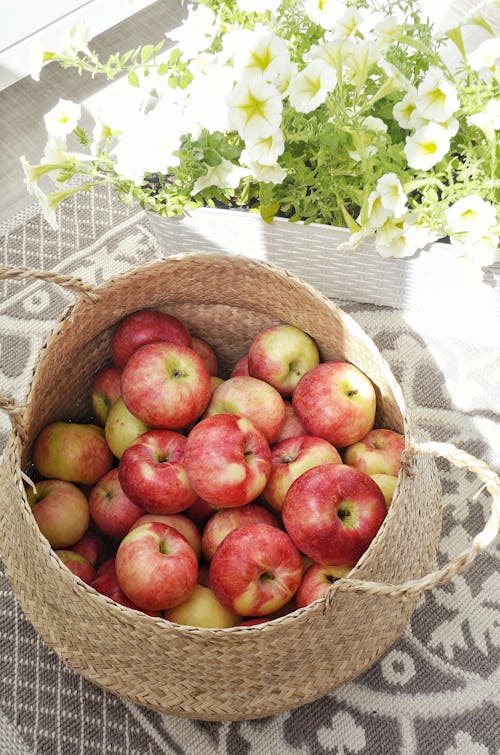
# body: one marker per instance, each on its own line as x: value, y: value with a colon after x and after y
x: 81, y: 135
x: 147, y: 53
x: 133, y: 79
x: 268, y: 212
x: 212, y: 158
x: 162, y: 69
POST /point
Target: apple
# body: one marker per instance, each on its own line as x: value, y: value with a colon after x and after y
x: 61, y: 511
x: 280, y: 355
x: 200, y: 512
x: 292, y: 426
x: 241, y: 367
x: 142, y: 327
x: 202, y: 609
x: 252, y: 398
x: 92, y: 547
x: 255, y: 570
x: 215, y: 382
x: 152, y: 473
x: 378, y: 452
x: 107, y: 567
x: 316, y: 582
x: 333, y: 512
x: 226, y: 520
x: 156, y: 567
x: 387, y: 484
x: 112, y: 511
x: 77, y: 564
x: 180, y: 523
x: 337, y: 402
x: 228, y: 460
x: 207, y: 355
x: 291, y: 458
x: 105, y: 391
x: 122, y: 428
x: 166, y: 385
x: 72, y: 452
x: 107, y: 584
x: 204, y: 575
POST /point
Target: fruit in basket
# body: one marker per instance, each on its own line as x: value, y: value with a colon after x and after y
x: 255, y: 570
x: 112, y: 511
x: 333, y: 512
x: 241, y: 367
x: 61, y: 511
x: 77, y: 564
x: 292, y: 426
x: 316, y: 582
x: 226, y: 520
x: 152, y: 473
x: 106, y: 584
x: 106, y: 389
x: 387, y: 484
x: 252, y: 398
x: 281, y: 355
x: 337, y: 402
x: 378, y: 452
x: 72, y: 452
x: 290, y: 459
x: 215, y: 382
x: 202, y: 609
x: 122, y: 428
x: 166, y: 385
x: 179, y: 522
x: 142, y: 327
x: 201, y: 511
x: 156, y: 567
x: 92, y: 547
x: 227, y: 459
x: 207, y: 355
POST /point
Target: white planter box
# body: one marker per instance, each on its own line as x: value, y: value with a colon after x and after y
x: 434, y: 278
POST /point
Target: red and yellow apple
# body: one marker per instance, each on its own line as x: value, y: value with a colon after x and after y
x: 202, y: 609
x: 112, y: 511
x: 316, y: 582
x: 106, y: 389
x: 179, y: 522
x: 72, y: 452
x: 387, y: 484
x: 226, y: 520
x: 122, y: 428
x: 378, y: 452
x: 77, y: 564
x: 207, y: 355
x: 142, y: 327
x: 292, y: 426
x: 61, y: 511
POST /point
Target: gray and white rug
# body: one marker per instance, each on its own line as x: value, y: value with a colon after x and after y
x: 434, y: 693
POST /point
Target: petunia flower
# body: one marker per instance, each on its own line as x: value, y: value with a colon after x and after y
x: 391, y: 194
x: 437, y: 97
x: 485, y: 55
x: 268, y: 57
x: 427, y: 146
x: 266, y: 150
x: 311, y: 86
x: 325, y: 13
x: 226, y: 175
x: 63, y: 118
x: 470, y: 214
x: 255, y: 108
x: 404, y: 110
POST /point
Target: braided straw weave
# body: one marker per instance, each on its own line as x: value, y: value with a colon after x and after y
x: 225, y: 674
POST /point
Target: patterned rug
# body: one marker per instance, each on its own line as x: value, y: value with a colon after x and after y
x: 435, y: 692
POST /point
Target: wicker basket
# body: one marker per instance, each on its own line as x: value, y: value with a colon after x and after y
x: 237, y: 673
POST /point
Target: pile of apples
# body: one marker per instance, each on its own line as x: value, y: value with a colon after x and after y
x: 213, y: 502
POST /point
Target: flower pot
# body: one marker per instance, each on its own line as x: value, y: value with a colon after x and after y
x: 312, y: 252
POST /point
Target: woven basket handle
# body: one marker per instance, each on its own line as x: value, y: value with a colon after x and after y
x: 413, y: 588
x: 66, y: 281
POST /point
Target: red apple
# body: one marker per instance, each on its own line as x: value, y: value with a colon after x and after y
x: 92, y: 547
x: 77, y: 564
x: 241, y: 367
x: 122, y: 428
x: 280, y: 355
x: 201, y: 511
x: 152, y: 473
x: 72, y: 452
x: 387, y: 484
x: 256, y: 570
x: 112, y: 511
x: 227, y: 459
x: 166, y: 385
x: 227, y: 520
x: 61, y: 511
x: 333, y: 512
x: 180, y: 523
x: 107, y: 567
x: 204, y: 575
x: 378, y: 452
x: 337, y: 402
x: 142, y: 327
x: 156, y: 567
x: 207, y: 355
x: 107, y: 584
x: 202, y: 609
x: 105, y: 391
x: 316, y: 582
x: 291, y: 458
x: 292, y: 426
x: 251, y: 398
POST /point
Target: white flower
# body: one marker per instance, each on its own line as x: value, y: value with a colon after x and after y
x: 427, y: 146
x: 386, y: 31
x: 255, y: 108
x: 398, y: 78
x: 48, y: 207
x: 266, y: 150
x: 400, y: 238
x: 76, y: 40
x: 392, y: 195
x: 375, y: 124
x: 347, y: 24
x: 226, y: 175
x: 259, y: 6
x: 55, y: 151
x: 268, y: 57
x: 437, y: 97
x: 404, y: 110
x: 274, y: 173
x: 486, y: 55
x: 483, y: 247
x: 206, y: 106
x: 471, y: 214
x: 285, y: 77
x: 325, y: 13
x: 196, y: 33
x: 488, y: 120
x: 311, y: 86
x: 360, y: 59
x: 331, y: 52
x: 63, y: 118
x: 376, y: 212
x: 363, y: 147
